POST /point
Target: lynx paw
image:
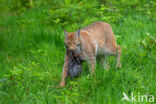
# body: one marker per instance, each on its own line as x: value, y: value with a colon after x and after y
x: 62, y: 84
x: 119, y: 65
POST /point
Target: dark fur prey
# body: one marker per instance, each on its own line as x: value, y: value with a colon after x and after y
x: 74, y: 65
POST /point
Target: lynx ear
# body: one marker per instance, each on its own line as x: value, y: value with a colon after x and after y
x: 78, y: 33
x: 65, y: 34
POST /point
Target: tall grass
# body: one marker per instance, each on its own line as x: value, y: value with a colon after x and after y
x: 32, y: 56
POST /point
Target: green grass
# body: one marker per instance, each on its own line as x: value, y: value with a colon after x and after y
x: 32, y: 56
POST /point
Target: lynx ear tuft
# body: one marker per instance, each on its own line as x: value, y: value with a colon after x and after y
x: 65, y: 34
x: 78, y: 33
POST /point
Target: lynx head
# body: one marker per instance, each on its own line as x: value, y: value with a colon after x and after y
x: 72, y: 41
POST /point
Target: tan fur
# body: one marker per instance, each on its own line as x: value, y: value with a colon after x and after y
x: 95, y: 40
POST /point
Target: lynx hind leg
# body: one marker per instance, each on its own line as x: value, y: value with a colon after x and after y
x: 118, y: 56
x: 117, y: 52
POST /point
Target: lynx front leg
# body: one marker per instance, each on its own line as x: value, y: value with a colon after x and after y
x: 64, y: 71
x: 92, y: 62
x: 93, y: 66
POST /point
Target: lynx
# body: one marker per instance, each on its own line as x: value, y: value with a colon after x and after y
x: 95, y: 41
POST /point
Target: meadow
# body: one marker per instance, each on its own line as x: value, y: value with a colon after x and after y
x: 32, y: 52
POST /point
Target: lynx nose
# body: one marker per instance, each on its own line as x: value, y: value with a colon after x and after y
x: 71, y: 48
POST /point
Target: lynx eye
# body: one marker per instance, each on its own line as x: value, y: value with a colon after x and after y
x: 75, y: 42
x: 66, y: 44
